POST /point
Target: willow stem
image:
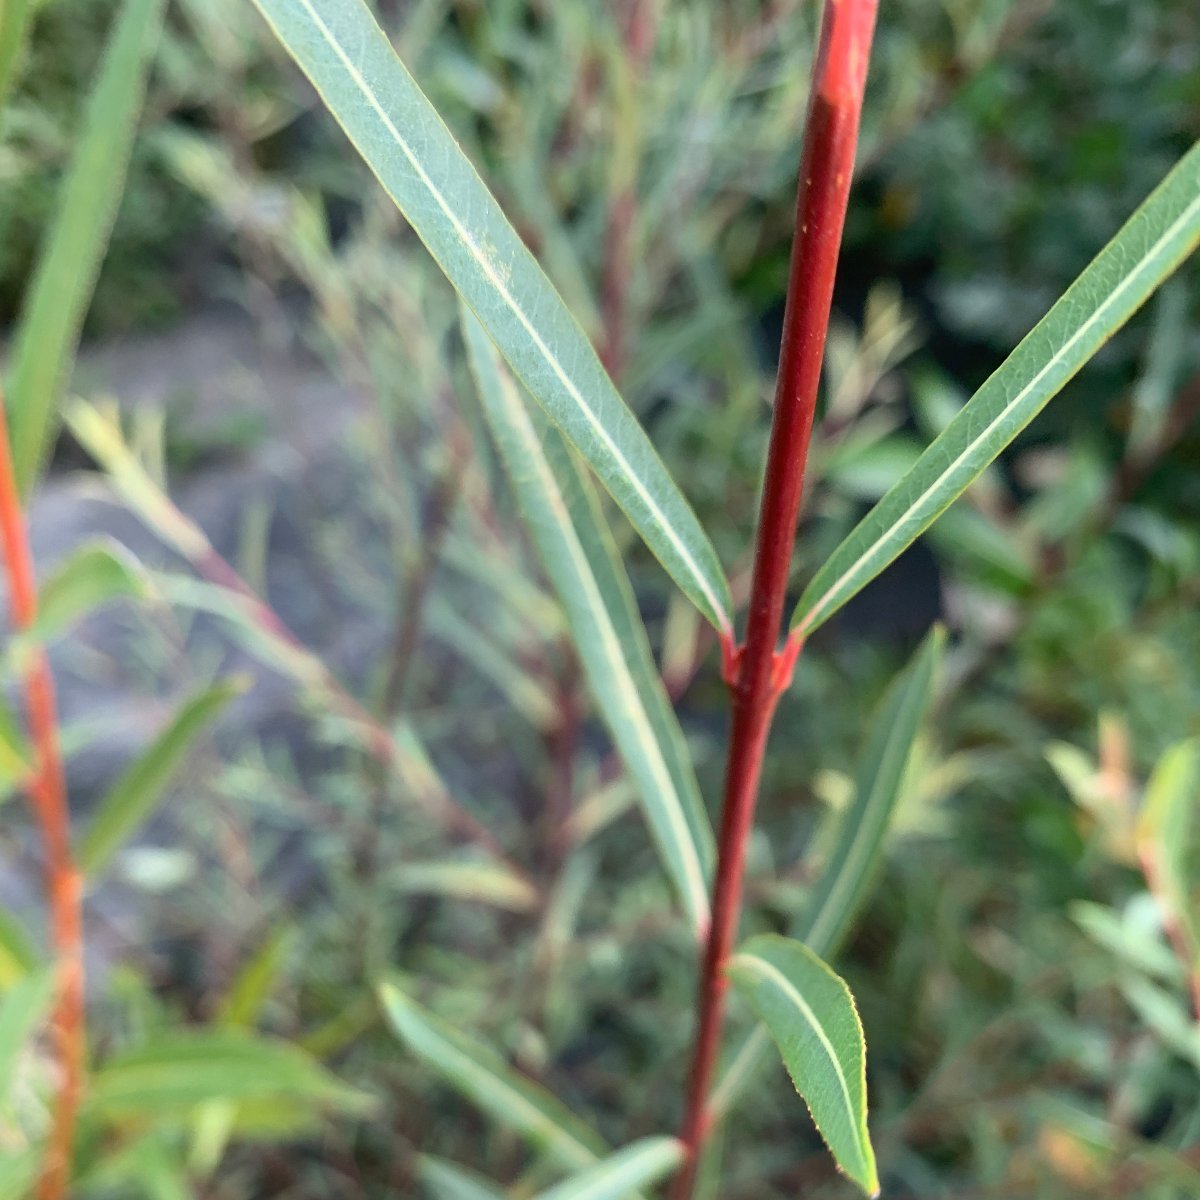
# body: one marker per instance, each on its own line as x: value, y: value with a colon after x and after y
x: 757, y: 672
x: 47, y: 792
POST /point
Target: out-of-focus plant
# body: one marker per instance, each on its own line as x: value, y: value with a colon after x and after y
x: 805, y: 1006
x: 702, y: 145
x: 106, y: 1120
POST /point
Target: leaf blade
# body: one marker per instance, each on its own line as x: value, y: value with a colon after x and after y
x: 1153, y: 242
x: 845, y: 880
x: 61, y: 290
x: 487, y: 1081
x: 847, y: 874
x: 813, y: 1020
x: 1163, y: 837
x: 175, y: 1073
x: 415, y: 157
x: 445, y: 1180
x: 637, y: 1165
x: 594, y: 591
x: 23, y: 1007
x: 130, y: 800
x: 98, y: 571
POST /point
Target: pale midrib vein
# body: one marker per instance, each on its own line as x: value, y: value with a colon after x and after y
x: 1114, y: 296
x: 858, y: 844
x: 772, y: 973
x: 613, y: 652
x: 497, y: 283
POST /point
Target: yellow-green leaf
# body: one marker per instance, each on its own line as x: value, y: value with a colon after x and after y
x: 61, y: 289
x: 132, y: 798
x: 812, y: 1018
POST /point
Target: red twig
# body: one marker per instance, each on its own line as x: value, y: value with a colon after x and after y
x: 47, y: 791
x: 756, y: 671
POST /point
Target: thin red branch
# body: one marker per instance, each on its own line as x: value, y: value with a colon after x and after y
x: 47, y: 791
x: 758, y: 673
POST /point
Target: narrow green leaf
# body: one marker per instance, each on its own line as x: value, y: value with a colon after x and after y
x: 17, y: 955
x: 621, y: 1174
x: 485, y: 1079
x: 251, y: 988
x: 1129, y: 937
x: 178, y: 1072
x: 812, y: 1018
x: 1153, y: 242
x: 1164, y: 836
x: 608, y: 634
x: 446, y: 1181
x: 22, y: 1009
x: 15, y: 756
x: 61, y: 289
x: 845, y: 880
x: 132, y: 798
x: 347, y: 56
x: 18, y: 1170
x: 14, y: 21
x: 94, y: 574
x: 483, y: 882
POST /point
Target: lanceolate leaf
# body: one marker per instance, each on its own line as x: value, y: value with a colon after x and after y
x: 485, y: 1079
x: 133, y: 797
x: 177, y: 1072
x: 845, y: 881
x: 1154, y: 241
x: 847, y: 876
x: 96, y: 573
x: 22, y: 1009
x: 621, y: 1174
x: 446, y: 1181
x: 812, y: 1018
x: 587, y: 574
x: 397, y: 131
x: 1164, y: 837
x: 61, y: 289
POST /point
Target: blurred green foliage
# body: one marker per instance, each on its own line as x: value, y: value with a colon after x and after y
x: 1027, y: 1024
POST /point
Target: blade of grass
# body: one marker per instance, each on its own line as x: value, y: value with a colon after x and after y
x: 1151, y: 244
x: 61, y: 289
x: 586, y: 572
x: 350, y: 61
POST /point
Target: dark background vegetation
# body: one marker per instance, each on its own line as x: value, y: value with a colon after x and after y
x: 286, y: 356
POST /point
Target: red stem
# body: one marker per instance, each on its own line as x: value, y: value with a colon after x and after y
x: 756, y: 671
x: 47, y: 791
